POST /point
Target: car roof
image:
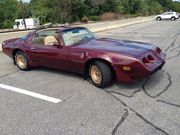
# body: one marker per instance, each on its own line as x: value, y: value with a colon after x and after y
x: 61, y: 28
x: 169, y: 12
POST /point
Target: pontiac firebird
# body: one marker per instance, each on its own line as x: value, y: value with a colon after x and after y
x: 76, y: 49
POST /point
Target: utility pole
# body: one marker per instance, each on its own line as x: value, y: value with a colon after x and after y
x: 22, y: 13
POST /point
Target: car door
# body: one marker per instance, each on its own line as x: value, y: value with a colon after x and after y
x: 73, y: 39
x: 165, y: 15
x: 49, y: 55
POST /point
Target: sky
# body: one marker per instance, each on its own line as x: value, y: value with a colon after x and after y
x: 25, y: 0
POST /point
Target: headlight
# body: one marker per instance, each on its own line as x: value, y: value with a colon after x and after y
x: 3, y: 43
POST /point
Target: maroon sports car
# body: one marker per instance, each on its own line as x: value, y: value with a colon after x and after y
x: 78, y: 50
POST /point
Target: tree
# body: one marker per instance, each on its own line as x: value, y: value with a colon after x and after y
x: 9, y: 10
x: 62, y: 11
x: 149, y: 7
x: 175, y: 6
x: 166, y: 4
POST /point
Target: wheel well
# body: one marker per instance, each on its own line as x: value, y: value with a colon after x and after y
x: 14, y: 53
x: 88, y: 63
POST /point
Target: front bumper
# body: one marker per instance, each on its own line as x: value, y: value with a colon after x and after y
x: 130, y: 77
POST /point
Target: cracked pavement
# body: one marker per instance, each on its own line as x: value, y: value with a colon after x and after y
x: 150, y: 106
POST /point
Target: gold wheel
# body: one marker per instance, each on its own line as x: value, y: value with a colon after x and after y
x: 96, y: 74
x: 21, y: 61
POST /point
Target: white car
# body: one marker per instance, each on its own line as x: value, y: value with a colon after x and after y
x: 167, y: 15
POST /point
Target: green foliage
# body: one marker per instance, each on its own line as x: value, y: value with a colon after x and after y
x: 150, y: 7
x: 8, y: 12
x: 62, y: 11
x: 94, y: 18
x: 166, y: 4
x: 85, y: 19
x: 175, y: 6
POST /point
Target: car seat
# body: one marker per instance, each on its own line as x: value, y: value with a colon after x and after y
x: 50, y: 40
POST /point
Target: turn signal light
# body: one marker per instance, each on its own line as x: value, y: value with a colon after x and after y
x: 126, y: 68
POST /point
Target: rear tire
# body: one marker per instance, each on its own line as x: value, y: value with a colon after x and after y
x: 100, y: 74
x: 173, y: 19
x: 21, y: 60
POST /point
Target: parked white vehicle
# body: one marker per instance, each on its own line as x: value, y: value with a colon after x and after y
x: 167, y: 15
x: 31, y: 23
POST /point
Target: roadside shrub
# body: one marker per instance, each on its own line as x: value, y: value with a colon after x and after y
x: 94, y: 18
x: 8, y: 24
x: 109, y: 16
x: 85, y: 19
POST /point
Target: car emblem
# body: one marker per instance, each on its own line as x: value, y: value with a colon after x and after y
x: 82, y: 55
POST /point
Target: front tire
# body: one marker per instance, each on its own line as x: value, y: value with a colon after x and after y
x: 100, y: 74
x: 21, y: 60
x: 158, y: 18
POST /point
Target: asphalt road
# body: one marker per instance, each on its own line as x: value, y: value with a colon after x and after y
x: 149, y: 107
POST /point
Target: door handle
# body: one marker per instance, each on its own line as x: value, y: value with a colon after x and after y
x: 33, y: 49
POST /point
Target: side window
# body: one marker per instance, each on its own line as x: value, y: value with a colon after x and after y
x: 38, y: 39
x: 22, y: 22
x: 165, y: 13
x: 46, y: 37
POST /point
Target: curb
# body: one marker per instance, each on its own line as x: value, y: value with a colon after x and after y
x: 98, y: 27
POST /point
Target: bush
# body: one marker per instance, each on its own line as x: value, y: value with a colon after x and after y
x: 111, y: 16
x: 85, y: 19
x: 8, y: 24
x: 94, y: 18
x: 108, y: 16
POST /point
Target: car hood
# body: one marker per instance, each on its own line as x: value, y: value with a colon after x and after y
x: 10, y: 40
x: 124, y: 47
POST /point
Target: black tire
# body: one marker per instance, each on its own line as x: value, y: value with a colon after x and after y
x: 21, y: 54
x: 173, y: 19
x: 158, y: 18
x: 106, y: 74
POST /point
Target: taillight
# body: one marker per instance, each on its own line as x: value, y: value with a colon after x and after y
x: 148, y: 60
x: 158, y: 50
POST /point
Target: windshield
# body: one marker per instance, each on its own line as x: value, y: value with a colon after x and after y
x: 75, y: 36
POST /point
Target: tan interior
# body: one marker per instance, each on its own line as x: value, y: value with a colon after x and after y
x: 50, y: 40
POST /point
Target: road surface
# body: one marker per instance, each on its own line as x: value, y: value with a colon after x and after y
x: 76, y: 107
